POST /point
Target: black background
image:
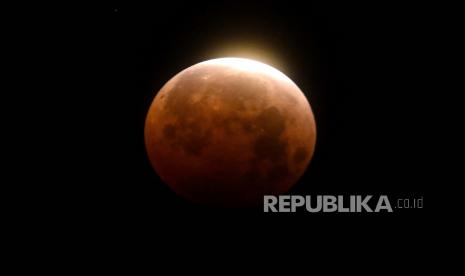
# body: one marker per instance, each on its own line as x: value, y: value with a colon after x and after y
x: 365, y: 69
x: 87, y: 75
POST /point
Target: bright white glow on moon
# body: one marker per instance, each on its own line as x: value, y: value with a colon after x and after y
x: 248, y: 65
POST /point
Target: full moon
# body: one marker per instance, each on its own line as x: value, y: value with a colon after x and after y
x: 227, y: 131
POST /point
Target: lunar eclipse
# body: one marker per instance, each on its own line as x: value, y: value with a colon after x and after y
x: 227, y: 131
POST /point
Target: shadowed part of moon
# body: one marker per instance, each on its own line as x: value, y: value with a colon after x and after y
x: 300, y: 155
x: 221, y: 135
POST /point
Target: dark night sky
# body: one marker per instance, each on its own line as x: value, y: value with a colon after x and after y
x: 363, y: 68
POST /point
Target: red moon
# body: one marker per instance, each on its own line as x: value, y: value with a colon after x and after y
x: 227, y: 131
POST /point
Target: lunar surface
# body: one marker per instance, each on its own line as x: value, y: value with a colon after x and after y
x: 227, y: 131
